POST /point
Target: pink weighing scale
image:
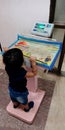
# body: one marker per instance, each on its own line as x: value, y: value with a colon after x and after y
x: 35, y: 94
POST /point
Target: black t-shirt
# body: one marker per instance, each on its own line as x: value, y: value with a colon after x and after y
x: 17, y: 79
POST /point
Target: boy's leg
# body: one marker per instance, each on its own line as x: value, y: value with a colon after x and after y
x: 15, y: 102
x: 22, y: 101
x: 25, y: 107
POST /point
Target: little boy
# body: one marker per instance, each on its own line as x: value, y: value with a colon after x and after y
x: 13, y: 60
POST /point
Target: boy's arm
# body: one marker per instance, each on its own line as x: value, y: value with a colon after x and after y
x: 33, y: 67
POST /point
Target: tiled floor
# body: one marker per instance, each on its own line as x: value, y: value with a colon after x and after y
x: 56, y: 116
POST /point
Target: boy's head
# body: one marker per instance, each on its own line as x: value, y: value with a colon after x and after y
x: 13, y: 58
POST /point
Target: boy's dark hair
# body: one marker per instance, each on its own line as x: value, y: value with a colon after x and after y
x: 13, y: 58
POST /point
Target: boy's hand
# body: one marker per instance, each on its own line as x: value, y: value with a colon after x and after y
x: 5, y: 49
x: 32, y: 59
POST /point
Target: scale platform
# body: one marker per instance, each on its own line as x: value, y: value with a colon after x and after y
x: 27, y: 117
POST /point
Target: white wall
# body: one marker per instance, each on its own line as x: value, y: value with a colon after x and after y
x: 18, y: 16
